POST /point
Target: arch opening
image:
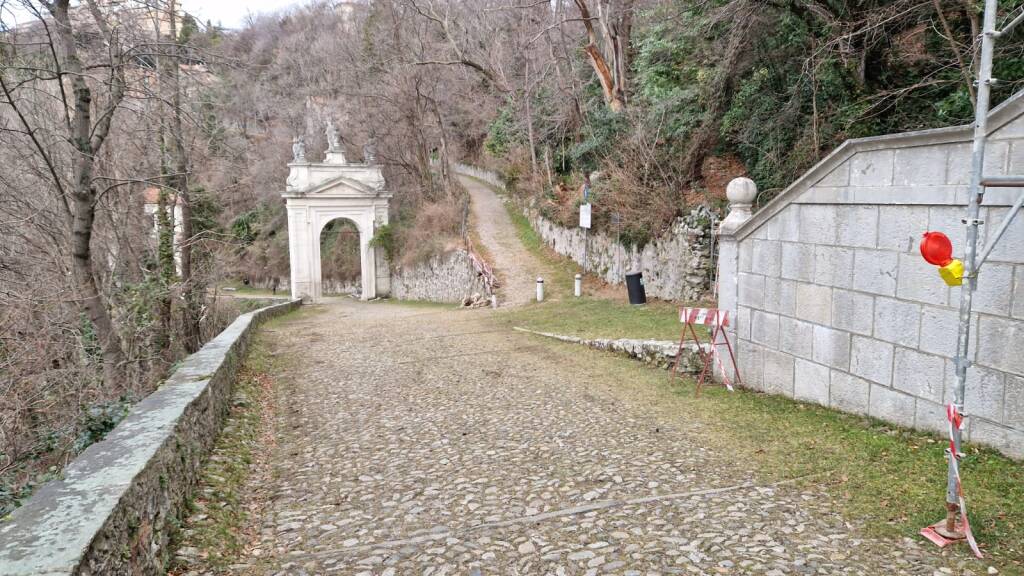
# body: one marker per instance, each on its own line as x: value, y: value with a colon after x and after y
x: 341, y: 258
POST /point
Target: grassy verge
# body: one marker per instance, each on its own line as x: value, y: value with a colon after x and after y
x: 890, y: 479
x: 561, y: 270
x: 424, y: 304
x: 215, y: 532
x: 597, y: 318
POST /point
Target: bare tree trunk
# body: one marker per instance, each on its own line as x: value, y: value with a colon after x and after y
x: 191, y: 291
x: 443, y: 160
x: 165, y: 254
x: 623, y: 31
x: 547, y: 166
x: 577, y: 104
x: 87, y: 141
x: 165, y: 213
x: 612, y: 77
x: 955, y: 47
x: 529, y: 122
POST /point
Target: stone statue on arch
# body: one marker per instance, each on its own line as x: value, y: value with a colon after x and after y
x: 333, y: 137
x: 298, y: 149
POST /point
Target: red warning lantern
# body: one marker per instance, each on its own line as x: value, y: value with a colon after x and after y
x: 936, y: 248
x: 938, y: 251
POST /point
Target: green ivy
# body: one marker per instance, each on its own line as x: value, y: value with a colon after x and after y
x: 245, y: 227
x: 384, y: 237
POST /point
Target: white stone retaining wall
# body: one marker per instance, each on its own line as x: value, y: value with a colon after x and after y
x: 448, y: 277
x: 116, y: 505
x: 675, y: 266
x: 836, y: 306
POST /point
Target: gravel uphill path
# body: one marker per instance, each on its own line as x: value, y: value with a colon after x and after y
x: 428, y: 441
x: 517, y: 268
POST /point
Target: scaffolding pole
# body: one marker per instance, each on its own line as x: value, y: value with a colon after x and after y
x: 956, y: 526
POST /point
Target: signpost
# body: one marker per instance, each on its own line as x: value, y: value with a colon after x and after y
x: 617, y: 224
x: 585, y: 212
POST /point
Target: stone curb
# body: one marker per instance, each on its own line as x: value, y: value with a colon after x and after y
x: 116, y: 505
x: 661, y: 353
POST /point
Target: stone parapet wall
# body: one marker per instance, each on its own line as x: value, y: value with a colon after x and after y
x: 835, y: 305
x: 449, y: 277
x: 675, y: 266
x: 117, y: 504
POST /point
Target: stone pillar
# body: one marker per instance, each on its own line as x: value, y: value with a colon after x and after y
x: 368, y: 261
x: 383, y: 272
x: 298, y: 253
x: 741, y: 193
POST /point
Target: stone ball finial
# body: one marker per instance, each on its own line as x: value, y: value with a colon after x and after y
x: 741, y: 191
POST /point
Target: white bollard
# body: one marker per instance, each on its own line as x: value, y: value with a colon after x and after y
x: 540, y: 289
x: 578, y: 286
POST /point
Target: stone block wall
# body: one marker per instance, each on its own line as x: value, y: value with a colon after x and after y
x: 117, y: 504
x: 835, y: 305
x: 449, y: 277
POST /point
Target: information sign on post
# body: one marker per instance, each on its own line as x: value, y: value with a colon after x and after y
x: 585, y: 216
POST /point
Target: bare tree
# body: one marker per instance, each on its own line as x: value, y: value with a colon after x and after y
x: 88, y: 117
x: 609, y: 51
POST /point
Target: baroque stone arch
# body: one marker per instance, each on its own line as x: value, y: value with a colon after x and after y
x: 318, y: 192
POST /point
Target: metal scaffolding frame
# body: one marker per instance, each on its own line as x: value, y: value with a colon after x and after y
x: 956, y: 526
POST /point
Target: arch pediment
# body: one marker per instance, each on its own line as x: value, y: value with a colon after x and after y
x: 342, y: 187
x: 334, y: 180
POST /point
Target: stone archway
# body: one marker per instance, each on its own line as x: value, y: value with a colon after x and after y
x: 319, y: 192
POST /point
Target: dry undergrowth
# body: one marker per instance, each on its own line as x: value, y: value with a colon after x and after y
x: 223, y: 518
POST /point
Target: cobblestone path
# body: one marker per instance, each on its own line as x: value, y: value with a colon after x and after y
x: 514, y: 264
x: 428, y: 441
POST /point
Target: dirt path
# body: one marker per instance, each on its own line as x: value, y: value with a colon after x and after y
x: 516, y: 267
x: 417, y: 440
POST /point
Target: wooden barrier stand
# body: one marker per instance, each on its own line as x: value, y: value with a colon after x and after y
x: 716, y: 321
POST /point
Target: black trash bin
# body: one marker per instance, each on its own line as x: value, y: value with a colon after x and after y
x: 635, y: 286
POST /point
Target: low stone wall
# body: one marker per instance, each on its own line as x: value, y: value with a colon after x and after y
x: 675, y: 266
x: 480, y: 174
x: 116, y: 506
x: 661, y: 353
x: 449, y: 277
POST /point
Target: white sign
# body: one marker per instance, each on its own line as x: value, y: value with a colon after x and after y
x: 584, y: 215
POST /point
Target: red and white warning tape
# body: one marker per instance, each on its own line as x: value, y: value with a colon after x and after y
x: 956, y: 421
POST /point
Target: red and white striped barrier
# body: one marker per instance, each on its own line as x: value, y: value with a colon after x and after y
x: 716, y: 320
x: 704, y: 316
